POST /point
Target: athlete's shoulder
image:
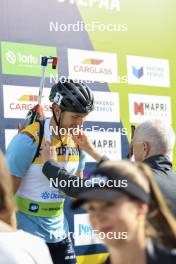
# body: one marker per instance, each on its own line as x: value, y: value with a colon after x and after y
x: 20, y: 153
x: 32, y: 127
x: 32, y: 130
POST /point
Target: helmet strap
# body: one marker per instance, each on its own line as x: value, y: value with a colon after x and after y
x: 58, y: 124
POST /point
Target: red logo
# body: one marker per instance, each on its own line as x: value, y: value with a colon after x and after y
x: 138, y: 108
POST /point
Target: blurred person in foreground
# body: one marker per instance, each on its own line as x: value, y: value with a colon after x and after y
x: 139, y: 210
x: 16, y: 246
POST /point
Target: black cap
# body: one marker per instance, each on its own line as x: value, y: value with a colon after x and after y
x: 104, y: 185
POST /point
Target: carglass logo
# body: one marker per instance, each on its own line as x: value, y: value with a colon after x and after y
x: 92, y: 61
x: 92, y: 65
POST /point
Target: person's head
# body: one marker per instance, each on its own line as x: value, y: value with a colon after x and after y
x: 153, y: 138
x: 7, y: 207
x: 126, y: 209
x: 72, y: 102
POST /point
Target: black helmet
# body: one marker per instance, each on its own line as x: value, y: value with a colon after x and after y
x: 72, y: 96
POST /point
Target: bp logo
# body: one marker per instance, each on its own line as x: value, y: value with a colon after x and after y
x: 11, y: 57
x: 33, y: 207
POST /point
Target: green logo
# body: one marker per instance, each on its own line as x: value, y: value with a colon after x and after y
x: 25, y: 59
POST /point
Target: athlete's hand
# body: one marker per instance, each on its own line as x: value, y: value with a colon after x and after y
x: 48, y: 152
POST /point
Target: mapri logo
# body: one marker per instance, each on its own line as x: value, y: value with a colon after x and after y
x: 11, y: 57
x: 138, y: 72
x: 144, y: 107
x: 138, y: 108
x: 108, y: 143
x: 149, y: 108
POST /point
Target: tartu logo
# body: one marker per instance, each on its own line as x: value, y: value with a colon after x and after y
x: 21, y: 58
x: 138, y: 72
x: 11, y: 57
x: 24, y: 59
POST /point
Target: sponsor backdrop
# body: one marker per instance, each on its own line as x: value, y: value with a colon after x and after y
x: 123, y: 49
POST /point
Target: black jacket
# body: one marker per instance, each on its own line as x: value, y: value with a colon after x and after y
x: 157, y: 254
x: 57, y: 176
x: 165, y: 177
x: 160, y: 165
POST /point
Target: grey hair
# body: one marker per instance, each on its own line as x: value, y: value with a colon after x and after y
x: 158, y: 134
